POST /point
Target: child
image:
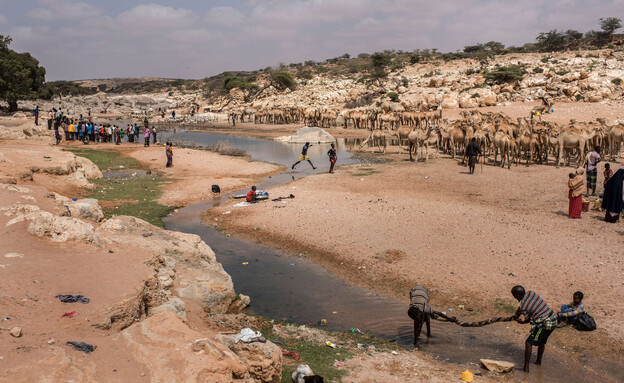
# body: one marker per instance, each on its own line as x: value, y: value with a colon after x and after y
x: 420, y: 311
x: 251, y: 196
x: 568, y: 313
x: 332, y: 158
x: 608, y: 173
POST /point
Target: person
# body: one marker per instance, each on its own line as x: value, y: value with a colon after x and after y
x: 304, y: 156
x: 575, y: 193
x: 568, y: 313
x: 612, y: 202
x: 36, y: 112
x: 173, y: 114
x: 251, y: 196
x: 72, y: 131
x: 472, y: 151
x: 169, y: 153
x: 154, y: 133
x: 420, y: 311
x: 50, y: 119
x: 136, y: 133
x: 608, y: 173
x: 57, y: 135
x: 333, y: 157
x: 592, y: 169
x: 543, y: 322
x: 146, y: 136
x: 121, y: 134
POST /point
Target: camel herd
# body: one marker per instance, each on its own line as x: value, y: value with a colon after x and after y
x: 526, y: 139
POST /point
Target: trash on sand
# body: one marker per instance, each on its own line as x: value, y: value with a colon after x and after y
x: 73, y: 298
x: 330, y: 344
x: 228, y: 212
x: 82, y: 346
x: 461, y: 307
x: 497, y: 365
x: 293, y: 264
x: 334, y: 312
x: 245, y: 263
x: 323, y: 322
x: 5, y: 319
x: 467, y: 376
x: 426, y: 177
x: 365, y: 346
x: 294, y: 354
x: 248, y: 335
x: 255, y: 228
x: 338, y: 363
x: 355, y: 329
x: 241, y: 204
x: 394, y: 352
x: 69, y: 314
x: 227, y: 235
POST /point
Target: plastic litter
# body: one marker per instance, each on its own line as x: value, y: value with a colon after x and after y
x: 5, y: 319
x: 73, y: 298
x: 467, y: 376
x: 82, y: 346
x: 293, y: 264
x: 69, y: 314
x: 228, y: 212
x: 228, y: 235
x: 245, y: 263
x: 248, y: 335
x: 338, y: 363
x: 355, y: 329
x: 241, y: 204
x: 323, y: 322
x: 294, y: 354
x: 330, y: 344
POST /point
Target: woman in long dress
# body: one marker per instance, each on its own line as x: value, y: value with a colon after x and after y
x: 612, y: 202
x: 575, y: 186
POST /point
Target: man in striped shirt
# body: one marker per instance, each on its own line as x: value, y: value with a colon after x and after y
x: 543, y: 322
x: 420, y: 311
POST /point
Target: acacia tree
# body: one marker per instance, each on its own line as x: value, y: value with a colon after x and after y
x: 610, y: 25
x: 21, y: 77
x: 550, y: 41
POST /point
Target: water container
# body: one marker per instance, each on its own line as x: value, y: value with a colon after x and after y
x: 216, y: 189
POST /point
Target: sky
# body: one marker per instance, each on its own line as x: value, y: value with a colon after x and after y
x: 86, y: 39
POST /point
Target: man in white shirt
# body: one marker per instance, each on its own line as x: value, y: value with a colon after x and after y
x: 592, y: 170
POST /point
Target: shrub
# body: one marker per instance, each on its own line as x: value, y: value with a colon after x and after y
x: 545, y: 59
x: 404, y: 81
x: 393, y: 96
x: 471, y: 71
x: 538, y: 70
x: 505, y: 74
x: 305, y: 74
x: 241, y: 83
x: 475, y: 95
x: 579, y: 97
x: 617, y: 81
x: 563, y: 72
x: 283, y: 80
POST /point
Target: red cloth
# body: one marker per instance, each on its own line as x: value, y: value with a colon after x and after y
x: 251, y: 195
x: 576, y: 205
x: 294, y: 354
x: 69, y: 315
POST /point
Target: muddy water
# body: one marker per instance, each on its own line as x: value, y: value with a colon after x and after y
x: 287, y: 286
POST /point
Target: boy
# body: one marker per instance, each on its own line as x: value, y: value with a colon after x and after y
x: 304, y: 155
x: 568, y: 313
x: 333, y: 157
x: 608, y: 173
x: 543, y: 322
x: 251, y: 196
x: 420, y: 311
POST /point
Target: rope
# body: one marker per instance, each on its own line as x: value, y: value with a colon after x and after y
x: 484, y: 322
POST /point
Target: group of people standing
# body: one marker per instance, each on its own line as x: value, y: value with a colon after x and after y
x: 612, y: 203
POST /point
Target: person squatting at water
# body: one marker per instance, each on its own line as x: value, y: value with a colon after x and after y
x: 543, y: 322
x: 251, y: 196
x: 420, y: 311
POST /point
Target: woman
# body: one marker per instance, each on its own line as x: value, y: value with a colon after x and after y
x: 146, y: 136
x: 612, y: 202
x: 575, y: 186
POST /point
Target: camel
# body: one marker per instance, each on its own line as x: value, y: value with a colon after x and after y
x: 501, y: 141
x: 571, y: 141
x: 390, y: 119
x: 419, y: 138
x: 456, y: 138
x: 614, y: 135
x: 541, y: 109
x: 378, y: 137
x: 402, y: 133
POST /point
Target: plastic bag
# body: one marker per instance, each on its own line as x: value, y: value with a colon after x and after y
x: 584, y: 322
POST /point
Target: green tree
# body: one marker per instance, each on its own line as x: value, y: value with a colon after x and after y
x: 550, y: 41
x: 282, y: 80
x: 505, y: 74
x: 610, y: 24
x: 379, y: 62
x: 21, y: 77
x: 572, y: 35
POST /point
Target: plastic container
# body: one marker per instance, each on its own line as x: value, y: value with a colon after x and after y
x: 585, y: 205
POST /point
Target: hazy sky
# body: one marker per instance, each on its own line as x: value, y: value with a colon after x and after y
x: 81, y: 39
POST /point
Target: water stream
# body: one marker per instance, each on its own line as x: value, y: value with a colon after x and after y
x: 289, y: 287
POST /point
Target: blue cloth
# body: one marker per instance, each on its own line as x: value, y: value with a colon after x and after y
x: 567, y: 309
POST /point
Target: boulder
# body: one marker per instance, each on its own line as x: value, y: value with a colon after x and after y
x: 174, y: 305
x: 488, y: 98
x: 88, y: 168
x: 467, y: 101
x: 449, y: 102
x: 239, y: 304
x: 198, y: 275
x: 172, y: 352
x: 497, y: 365
x: 84, y: 208
x: 264, y: 360
x: 311, y: 134
x: 15, y: 332
x: 58, y: 229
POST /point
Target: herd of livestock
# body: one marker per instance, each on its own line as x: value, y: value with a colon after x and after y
x: 526, y: 139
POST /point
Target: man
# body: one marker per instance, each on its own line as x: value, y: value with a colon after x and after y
x: 472, y: 151
x: 50, y: 119
x: 304, y: 156
x: 420, y: 311
x: 592, y: 170
x: 169, y: 153
x: 36, y: 112
x: 154, y: 133
x: 333, y: 157
x: 251, y: 196
x: 543, y: 322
